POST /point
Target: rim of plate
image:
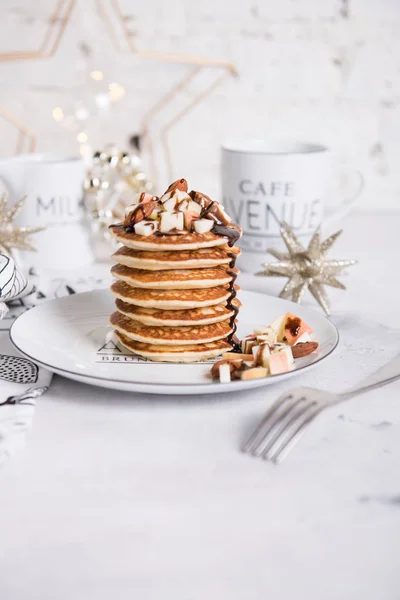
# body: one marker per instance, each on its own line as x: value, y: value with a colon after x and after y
x: 189, y: 386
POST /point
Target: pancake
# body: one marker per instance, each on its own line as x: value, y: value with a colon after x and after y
x: 170, y: 336
x: 175, y: 354
x: 177, y: 279
x: 178, y: 259
x: 155, y: 243
x: 170, y: 299
x: 175, y: 318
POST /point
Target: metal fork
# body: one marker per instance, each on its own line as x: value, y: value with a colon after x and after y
x: 288, y: 418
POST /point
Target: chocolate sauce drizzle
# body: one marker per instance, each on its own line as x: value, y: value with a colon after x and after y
x: 231, y: 232
x: 177, y: 232
x: 207, y: 209
x: 293, y: 325
x: 229, y: 303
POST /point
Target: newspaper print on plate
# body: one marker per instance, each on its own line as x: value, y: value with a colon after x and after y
x: 111, y: 352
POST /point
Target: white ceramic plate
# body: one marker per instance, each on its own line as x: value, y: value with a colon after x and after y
x: 67, y: 336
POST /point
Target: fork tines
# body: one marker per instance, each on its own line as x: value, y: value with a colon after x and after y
x: 282, y: 426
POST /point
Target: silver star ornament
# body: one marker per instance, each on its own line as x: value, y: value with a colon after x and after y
x: 306, y: 267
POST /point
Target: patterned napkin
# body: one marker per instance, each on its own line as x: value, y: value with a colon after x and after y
x: 21, y: 380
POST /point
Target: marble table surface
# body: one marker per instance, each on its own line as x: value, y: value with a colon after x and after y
x: 132, y: 496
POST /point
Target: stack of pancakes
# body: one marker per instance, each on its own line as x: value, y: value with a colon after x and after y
x: 175, y: 293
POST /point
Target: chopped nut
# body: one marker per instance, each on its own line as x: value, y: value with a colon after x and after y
x: 233, y: 365
x: 140, y: 212
x: 179, y: 184
x: 303, y: 349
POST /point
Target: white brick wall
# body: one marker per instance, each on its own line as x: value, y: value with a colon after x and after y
x: 326, y: 70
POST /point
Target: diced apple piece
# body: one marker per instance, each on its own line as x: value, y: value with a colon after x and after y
x: 166, y: 196
x: 265, y: 334
x: 176, y: 195
x: 278, y: 325
x: 236, y: 356
x: 192, y: 205
x: 262, y: 356
x: 181, y: 195
x: 203, y: 225
x: 249, y: 363
x: 189, y: 204
x: 247, y: 344
x: 188, y: 216
x: 276, y: 347
x: 255, y: 350
x: 170, y: 205
x: 278, y: 362
x: 146, y: 228
x: 254, y: 373
x: 262, y: 338
x: 171, y: 221
x: 270, y: 336
x: 305, y: 337
x: 285, y: 349
x: 261, y: 330
x: 224, y: 373
x: 182, y: 206
x: 294, y: 327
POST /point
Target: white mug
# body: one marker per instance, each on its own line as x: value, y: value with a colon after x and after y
x: 264, y: 184
x: 53, y: 189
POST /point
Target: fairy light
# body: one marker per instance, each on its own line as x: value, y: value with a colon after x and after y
x: 82, y: 137
x: 85, y: 151
x: 97, y: 75
x: 81, y: 113
x: 115, y: 91
x: 58, y: 114
x: 102, y: 101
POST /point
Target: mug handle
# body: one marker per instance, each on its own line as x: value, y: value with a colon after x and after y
x: 348, y: 203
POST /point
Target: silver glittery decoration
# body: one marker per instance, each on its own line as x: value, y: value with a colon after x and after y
x: 13, y: 237
x: 306, y: 267
x: 112, y: 183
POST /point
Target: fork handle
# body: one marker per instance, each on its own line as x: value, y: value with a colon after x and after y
x: 383, y: 376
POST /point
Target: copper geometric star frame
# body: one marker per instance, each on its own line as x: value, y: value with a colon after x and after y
x: 113, y: 18
x: 123, y: 40
x: 26, y: 140
x: 52, y: 37
x: 57, y: 24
